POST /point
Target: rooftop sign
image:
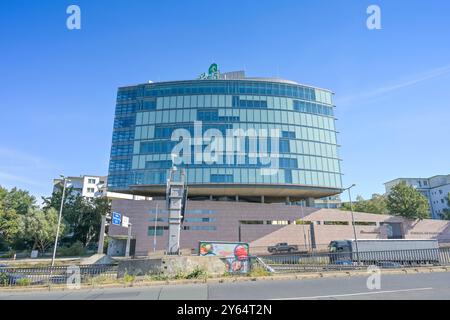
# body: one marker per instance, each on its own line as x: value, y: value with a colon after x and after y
x: 213, y: 73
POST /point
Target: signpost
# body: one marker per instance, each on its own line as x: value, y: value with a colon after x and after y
x: 124, y: 221
x: 116, y: 218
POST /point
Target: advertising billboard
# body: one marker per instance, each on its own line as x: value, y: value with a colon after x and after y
x: 236, y: 254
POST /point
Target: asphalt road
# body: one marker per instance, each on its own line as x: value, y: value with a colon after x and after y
x: 402, y: 287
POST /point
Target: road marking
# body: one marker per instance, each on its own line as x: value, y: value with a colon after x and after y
x: 354, y: 294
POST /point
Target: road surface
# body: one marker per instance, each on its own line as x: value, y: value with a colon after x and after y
x: 404, y: 287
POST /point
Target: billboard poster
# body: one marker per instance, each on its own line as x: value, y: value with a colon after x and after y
x: 236, y: 254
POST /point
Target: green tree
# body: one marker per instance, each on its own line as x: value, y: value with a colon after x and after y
x: 445, y: 215
x: 14, y: 204
x: 40, y: 227
x: 377, y: 204
x: 9, y: 228
x: 407, y: 202
x: 18, y: 200
x: 81, y: 215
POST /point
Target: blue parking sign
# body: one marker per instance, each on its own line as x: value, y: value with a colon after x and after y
x: 116, y: 218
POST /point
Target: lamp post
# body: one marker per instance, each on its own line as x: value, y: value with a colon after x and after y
x: 154, y: 232
x: 353, y: 221
x: 101, y: 237
x: 59, y: 218
x: 303, y: 226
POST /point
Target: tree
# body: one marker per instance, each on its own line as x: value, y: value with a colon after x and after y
x: 407, y: 202
x: 445, y: 215
x: 9, y: 227
x: 14, y: 204
x: 81, y: 215
x: 376, y: 205
x: 40, y: 226
x: 16, y: 199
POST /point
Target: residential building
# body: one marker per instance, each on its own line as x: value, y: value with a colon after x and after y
x: 86, y: 185
x: 436, y: 189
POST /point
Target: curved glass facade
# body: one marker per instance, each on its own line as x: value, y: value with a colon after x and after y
x: 147, y: 114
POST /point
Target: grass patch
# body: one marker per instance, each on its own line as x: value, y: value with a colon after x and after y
x: 258, y: 272
x: 197, y: 273
x: 23, y: 282
x: 128, y: 278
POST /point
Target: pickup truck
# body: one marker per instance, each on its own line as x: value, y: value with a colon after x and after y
x: 282, y: 247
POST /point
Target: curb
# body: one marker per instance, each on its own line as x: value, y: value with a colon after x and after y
x: 220, y: 280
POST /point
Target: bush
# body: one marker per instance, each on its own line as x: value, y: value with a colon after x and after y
x: 102, y: 279
x: 258, y: 272
x: 197, y: 273
x: 128, y: 278
x: 105, y: 245
x: 76, y: 249
x: 4, y: 279
x: 158, y: 277
x: 8, y: 255
x: 22, y: 282
x: 180, y: 275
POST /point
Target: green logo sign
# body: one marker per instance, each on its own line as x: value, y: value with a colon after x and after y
x: 213, y: 73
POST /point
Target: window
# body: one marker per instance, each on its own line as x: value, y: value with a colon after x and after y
x: 284, y: 146
x: 288, y: 163
x: 251, y: 222
x: 158, y: 231
x: 199, y: 219
x: 120, y: 165
x: 200, y: 228
x: 288, y: 134
x: 302, y: 222
x: 165, y: 164
x: 241, y: 103
x: 278, y: 222
x: 124, y: 122
x: 288, y: 176
x: 121, y: 150
x: 90, y: 190
x: 308, y: 107
x: 159, y: 219
x: 123, y: 135
x: 222, y: 178
x: 91, y: 181
x: 335, y: 223
x: 364, y: 223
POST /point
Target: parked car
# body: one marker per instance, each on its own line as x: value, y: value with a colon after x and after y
x: 282, y: 247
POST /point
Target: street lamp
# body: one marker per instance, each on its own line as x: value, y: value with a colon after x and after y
x: 154, y: 231
x: 303, y: 226
x: 59, y: 218
x: 353, y: 221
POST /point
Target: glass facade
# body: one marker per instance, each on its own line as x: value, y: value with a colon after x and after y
x: 147, y: 114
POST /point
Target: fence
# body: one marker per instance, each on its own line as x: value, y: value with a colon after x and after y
x: 296, y: 248
x: 10, y: 276
x: 311, y: 262
x: 352, y: 261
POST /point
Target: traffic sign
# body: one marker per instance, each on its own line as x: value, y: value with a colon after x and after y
x: 125, y: 221
x: 116, y: 218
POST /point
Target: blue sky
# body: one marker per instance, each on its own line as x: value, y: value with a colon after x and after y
x: 58, y: 87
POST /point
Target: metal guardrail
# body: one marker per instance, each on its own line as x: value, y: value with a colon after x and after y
x: 317, y: 262
x: 14, y: 276
x: 312, y: 262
